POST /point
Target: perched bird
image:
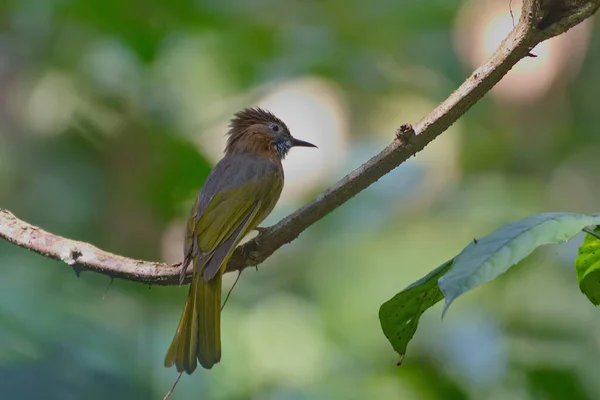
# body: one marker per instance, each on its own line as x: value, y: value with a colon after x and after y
x: 238, y: 194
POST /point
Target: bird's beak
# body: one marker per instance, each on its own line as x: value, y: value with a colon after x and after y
x: 301, y: 143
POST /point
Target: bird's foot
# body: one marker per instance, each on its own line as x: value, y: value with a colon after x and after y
x: 261, y: 229
x: 183, y: 270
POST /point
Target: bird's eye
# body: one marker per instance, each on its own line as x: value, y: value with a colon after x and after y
x: 274, y: 127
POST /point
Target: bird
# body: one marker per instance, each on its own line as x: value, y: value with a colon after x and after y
x: 238, y: 194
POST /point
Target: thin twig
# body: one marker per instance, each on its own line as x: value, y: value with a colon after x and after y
x: 173, y: 387
x: 231, y: 289
x: 108, y: 287
x: 512, y: 16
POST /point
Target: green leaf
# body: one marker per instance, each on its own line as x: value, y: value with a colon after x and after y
x: 485, y: 259
x: 399, y: 316
x: 587, y: 267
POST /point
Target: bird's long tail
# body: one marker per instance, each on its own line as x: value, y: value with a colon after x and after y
x: 208, y: 300
x: 198, y: 335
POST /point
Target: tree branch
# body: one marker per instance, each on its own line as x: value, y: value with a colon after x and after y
x: 83, y: 256
x: 540, y: 20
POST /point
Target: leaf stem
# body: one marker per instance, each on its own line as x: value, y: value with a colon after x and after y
x: 591, y: 232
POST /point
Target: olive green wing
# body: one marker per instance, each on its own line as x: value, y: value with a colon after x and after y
x: 188, y: 247
x: 233, y: 212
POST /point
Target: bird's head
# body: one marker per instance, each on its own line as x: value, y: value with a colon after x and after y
x: 259, y: 131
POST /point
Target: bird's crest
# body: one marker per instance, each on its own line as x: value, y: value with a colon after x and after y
x: 251, y: 116
x: 247, y: 117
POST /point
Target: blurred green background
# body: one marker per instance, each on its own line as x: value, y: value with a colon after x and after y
x: 113, y: 112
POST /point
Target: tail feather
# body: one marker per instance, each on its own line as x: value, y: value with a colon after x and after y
x: 198, y: 335
x: 184, y: 347
x: 209, y: 321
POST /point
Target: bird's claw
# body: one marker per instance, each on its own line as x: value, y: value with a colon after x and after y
x: 261, y: 229
x: 183, y: 270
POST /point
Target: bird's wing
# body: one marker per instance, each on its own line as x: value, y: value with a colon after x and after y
x: 224, y: 249
x: 188, y: 247
x: 232, y: 212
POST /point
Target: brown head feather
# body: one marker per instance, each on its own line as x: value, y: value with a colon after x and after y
x: 246, y: 118
x: 251, y: 116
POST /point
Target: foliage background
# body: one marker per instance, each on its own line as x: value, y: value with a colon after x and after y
x: 113, y: 112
